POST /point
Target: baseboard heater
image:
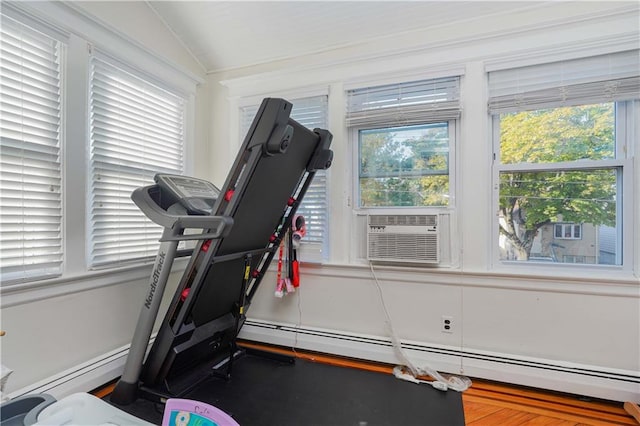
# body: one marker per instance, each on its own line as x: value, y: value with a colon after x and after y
x: 587, y: 380
x: 84, y: 377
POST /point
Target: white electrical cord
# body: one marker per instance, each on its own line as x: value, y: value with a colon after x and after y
x: 456, y: 383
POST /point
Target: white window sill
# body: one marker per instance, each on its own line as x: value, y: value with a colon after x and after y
x: 22, y: 293
x: 604, y: 283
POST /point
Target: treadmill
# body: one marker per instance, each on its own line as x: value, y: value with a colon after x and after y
x: 238, y: 231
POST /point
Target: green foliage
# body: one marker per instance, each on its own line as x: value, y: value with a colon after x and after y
x: 404, y: 166
x: 529, y: 200
x: 558, y: 134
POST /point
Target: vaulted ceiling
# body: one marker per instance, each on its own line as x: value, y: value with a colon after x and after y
x: 225, y: 35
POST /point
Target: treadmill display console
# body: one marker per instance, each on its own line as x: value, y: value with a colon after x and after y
x: 196, y: 195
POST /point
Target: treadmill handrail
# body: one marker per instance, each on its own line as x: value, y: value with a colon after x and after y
x: 216, y: 226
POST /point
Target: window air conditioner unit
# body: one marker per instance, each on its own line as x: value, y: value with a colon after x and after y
x: 403, y: 238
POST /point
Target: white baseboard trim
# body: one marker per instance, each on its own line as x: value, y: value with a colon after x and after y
x: 586, y: 380
x: 82, y: 378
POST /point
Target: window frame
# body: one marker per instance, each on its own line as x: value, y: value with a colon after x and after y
x: 564, y: 225
x: 626, y: 125
x: 354, y: 137
x: 454, y: 127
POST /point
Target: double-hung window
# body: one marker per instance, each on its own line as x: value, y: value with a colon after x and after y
x: 310, y: 112
x: 81, y: 127
x: 30, y: 147
x: 136, y: 131
x: 404, y: 135
x: 563, y: 145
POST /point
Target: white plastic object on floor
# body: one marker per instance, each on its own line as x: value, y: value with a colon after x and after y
x: 86, y: 409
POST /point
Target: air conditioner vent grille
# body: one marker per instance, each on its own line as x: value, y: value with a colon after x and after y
x: 403, y: 238
x: 404, y: 247
x: 403, y: 220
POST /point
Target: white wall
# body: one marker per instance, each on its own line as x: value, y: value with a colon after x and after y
x: 536, y: 327
x: 566, y: 322
x: 57, y: 325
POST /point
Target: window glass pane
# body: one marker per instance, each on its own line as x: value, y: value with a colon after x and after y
x: 558, y: 231
x: 404, y: 166
x: 531, y: 201
x: 585, y: 132
x: 567, y: 231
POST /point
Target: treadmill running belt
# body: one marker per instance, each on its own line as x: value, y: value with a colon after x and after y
x: 265, y: 392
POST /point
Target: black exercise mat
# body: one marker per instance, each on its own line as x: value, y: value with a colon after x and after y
x: 265, y: 392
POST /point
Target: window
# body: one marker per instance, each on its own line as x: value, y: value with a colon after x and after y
x: 30, y: 165
x: 562, y: 140
x: 311, y: 112
x: 567, y: 231
x: 404, y: 136
x: 81, y: 126
x: 137, y: 130
x: 404, y: 166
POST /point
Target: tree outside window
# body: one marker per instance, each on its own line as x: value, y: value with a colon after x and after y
x: 404, y: 166
x: 555, y: 169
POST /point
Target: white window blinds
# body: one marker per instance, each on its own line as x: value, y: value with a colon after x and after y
x: 311, y: 112
x: 604, y: 78
x: 137, y: 130
x: 404, y: 104
x: 30, y: 171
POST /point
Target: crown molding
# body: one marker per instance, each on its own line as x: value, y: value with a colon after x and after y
x: 324, y: 67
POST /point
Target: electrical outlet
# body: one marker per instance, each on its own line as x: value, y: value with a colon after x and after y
x: 447, y: 324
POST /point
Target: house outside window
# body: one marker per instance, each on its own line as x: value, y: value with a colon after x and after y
x: 566, y: 242
x: 562, y: 143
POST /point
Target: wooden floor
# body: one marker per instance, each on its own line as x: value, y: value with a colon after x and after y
x: 489, y: 404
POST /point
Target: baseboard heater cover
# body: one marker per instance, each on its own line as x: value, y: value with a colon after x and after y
x: 82, y: 378
x: 587, y: 380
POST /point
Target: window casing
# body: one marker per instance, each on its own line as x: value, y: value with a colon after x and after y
x: 563, y: 153
x: 31, y: 167
x: 404, y: 136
